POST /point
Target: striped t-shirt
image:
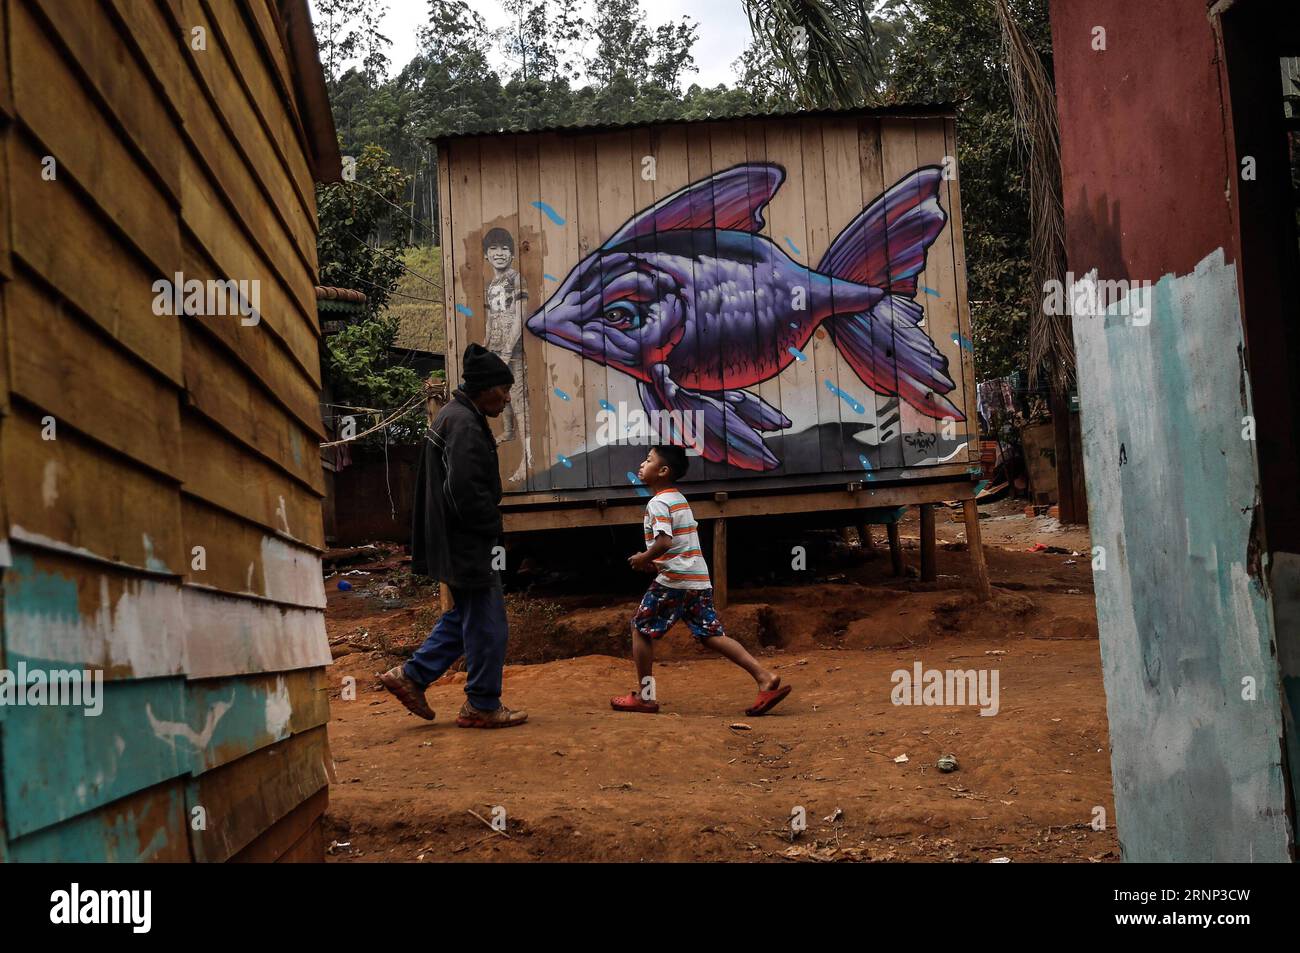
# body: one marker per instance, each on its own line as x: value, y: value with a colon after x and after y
x: 683, y: 566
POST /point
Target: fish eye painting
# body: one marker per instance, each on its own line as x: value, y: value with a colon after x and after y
x: 798, y: 317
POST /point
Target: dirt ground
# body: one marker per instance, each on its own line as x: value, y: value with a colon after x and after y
x: 702, y: 781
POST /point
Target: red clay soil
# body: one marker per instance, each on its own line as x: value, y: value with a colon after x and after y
x: 703, y: 781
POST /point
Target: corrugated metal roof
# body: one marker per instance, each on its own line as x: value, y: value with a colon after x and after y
x: 893, y: 111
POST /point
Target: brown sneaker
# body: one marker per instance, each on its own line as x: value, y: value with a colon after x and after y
x: 503, y: 717
x: 408, y: 693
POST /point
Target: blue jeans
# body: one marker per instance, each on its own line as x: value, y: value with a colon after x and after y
x: 476, y: 628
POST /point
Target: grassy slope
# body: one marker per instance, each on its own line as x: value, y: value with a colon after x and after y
x: 421, y: 322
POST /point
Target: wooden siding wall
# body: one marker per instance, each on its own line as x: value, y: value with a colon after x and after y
x: 172, y: 433
x: 562, y: 195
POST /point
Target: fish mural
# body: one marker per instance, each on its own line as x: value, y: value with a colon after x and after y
x: 688, y: 298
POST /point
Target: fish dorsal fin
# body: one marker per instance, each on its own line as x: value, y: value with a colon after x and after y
x: 731, y: 199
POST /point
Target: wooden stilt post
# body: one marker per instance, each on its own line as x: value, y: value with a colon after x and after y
x: 928, y: 571
x: 979, y: 569
x: 720, y: 562
x: 895, y: 547
x: 864, y: 538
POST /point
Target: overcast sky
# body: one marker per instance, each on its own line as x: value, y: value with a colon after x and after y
x: 723, y: 31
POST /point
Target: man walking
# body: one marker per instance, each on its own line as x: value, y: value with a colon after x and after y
x: 456, y: 526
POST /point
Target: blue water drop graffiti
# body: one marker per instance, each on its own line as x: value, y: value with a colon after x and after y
x: 549, y: 277
x: 561, y: 394
x: 464, y: 310
x: 549, y: 212
x: 862, y: 459
x: 931, y: 291
x: 799, y: 355
x: 636, y: 481
x: 793, y: 246
x: 962, y: 341
x: 847, y: 398
x: 606, y: 405
x: 565, y: 460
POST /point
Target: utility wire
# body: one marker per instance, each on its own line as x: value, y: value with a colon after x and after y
x: 401, y: 411
x: 427, y: 228
x: 398, y: 293
x: 400, y: 263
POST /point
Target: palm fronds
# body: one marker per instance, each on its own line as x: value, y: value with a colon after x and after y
x: 824, y: 48
x: 1033, y: 100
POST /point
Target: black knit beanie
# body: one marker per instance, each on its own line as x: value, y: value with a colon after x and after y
x: 481, y: 369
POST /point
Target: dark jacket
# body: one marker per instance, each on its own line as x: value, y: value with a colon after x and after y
x: 456, y: 522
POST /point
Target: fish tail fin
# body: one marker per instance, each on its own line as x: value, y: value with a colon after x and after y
x: 892, y: 355
x: 886, y: 244
x: 723, y: 435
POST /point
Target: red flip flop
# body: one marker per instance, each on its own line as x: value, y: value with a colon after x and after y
x: 632, y: 701
x: 766, y: 701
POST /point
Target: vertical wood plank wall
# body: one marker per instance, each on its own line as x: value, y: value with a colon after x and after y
x: 562, y: 195
x: 169, y: 433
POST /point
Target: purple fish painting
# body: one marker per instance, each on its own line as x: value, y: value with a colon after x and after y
x: 689, y: 299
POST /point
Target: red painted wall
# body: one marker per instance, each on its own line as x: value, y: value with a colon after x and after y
x: 1143, y: 154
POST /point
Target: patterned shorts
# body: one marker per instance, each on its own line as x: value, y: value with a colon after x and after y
x: 662, y: 606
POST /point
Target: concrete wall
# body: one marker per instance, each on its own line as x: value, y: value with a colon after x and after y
x: 1185, y: 612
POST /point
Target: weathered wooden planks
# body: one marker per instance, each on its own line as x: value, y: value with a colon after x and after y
x: 240, y: 557
x: 295, y: 838
x: 61, y: 763
x: 63, y: 610
x: 128, y: 438
x: 252, y: 712
x: 219, y: 388
x: 151, y: 730
x: 938, y: 289
x: 786, y: 216
x: 147, y: 826
x: 247, y: 797
x: 121, y: 81
x: 230, y: 635
x: 67, y: 368
x: 529, y: 258
x: 56, y: 497
x: 6, y: 97
x: 220, y: 472
x: 60, y: 236
x: 970, y: 404
x: 833, y: 168
x: 566, y: 424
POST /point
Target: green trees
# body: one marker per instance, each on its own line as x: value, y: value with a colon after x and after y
x: 357, y: 359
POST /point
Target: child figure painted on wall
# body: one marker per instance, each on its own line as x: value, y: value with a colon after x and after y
x: 504, y: 300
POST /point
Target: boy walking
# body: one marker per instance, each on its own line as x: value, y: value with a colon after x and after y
x: 681, y: 590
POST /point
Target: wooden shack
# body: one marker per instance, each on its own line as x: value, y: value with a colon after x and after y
x: 160, y: 518
x: 792, y: 286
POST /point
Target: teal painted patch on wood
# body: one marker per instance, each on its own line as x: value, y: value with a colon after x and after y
x: 1183, y: 618
x: 244, y: 714
x: 150, y: 827
x: 59, y: 762
x: 64, y: 611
